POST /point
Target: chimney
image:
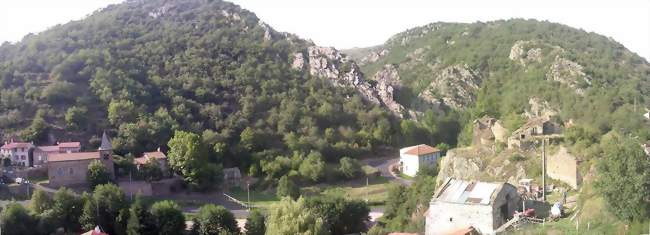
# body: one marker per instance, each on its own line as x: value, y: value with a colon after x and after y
x: 158, y: 149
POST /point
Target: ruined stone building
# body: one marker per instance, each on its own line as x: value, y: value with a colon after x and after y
x: 524, y: 137
x: 487, y: 131
x: 461, y: 204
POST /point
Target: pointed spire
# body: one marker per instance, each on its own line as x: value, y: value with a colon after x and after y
x: 106, y: 143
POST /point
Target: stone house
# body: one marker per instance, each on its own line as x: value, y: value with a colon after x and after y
x: 487, y: 131
x: 232, y: 176
x: 412, y: 159
x: 42, y: 152
x: 524, y: 136
x: 460, y: 204
x: 69, y: 169
x: 157, y: 156
x: 563, y: 166
x: 18, y: 153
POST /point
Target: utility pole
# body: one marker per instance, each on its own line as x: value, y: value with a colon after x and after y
x: 248, y: 192
x: 366, y: 189
x: 544, y: 170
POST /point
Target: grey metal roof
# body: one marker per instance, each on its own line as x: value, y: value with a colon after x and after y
x: 466, y: 192
x: 106, y: 143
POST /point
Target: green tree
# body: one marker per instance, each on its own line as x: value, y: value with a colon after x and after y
x: 255, y: 223
x: 106, y: 207
x: 97, y: 174
x: 188, y: 156
x: 623, y: 178
x: 350, y: 168
x: 313, y: 167
x: 287, y: 188
x: 168, y: 217
x: 140, y: 221
x: 294, y: 217
x: 340, y: 216
x: 40, y: 201
x: 37, y: 131
x: 76, y: 117
x: 67, y: 207
x: 215, y: 220
x: 121, y: 111
x: 15, y: 219
x: 151, y: 170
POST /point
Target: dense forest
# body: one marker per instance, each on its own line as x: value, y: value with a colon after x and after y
x: 144, y: 69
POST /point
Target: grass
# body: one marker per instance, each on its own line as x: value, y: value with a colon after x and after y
x: 263, y: 199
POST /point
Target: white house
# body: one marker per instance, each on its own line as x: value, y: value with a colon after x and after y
x: 411, y: 159
x: 18, y: 153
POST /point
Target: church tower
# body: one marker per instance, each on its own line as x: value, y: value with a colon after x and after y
x: 106, y: 154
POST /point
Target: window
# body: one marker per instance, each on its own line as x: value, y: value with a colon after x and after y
x: 71, y: 171
x: 59, y: 171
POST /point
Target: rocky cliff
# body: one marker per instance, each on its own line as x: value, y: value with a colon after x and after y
x: 454, y: 86
x: 341, y: 70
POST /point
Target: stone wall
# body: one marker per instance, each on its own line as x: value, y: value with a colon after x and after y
x: 443, y: 217
x: 563, y: 166
x: 68, y: 173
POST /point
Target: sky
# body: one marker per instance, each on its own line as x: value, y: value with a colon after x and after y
x: 362, y: 23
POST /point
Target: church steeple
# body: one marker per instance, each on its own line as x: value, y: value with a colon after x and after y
x: 106, y: 143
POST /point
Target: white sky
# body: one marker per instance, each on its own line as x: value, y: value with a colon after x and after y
x: 361, y: 23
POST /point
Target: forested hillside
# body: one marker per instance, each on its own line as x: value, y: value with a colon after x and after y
x: 495, y: 68
x: 143, y: 69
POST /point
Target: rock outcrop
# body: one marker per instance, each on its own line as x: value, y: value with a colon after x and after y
x: 329, y: 63
x: 569, y: 73
x: 454, y: 86
x: 522, y: 52
x: 477, y: 164
x: 539, y: 109
x: 373, y: 56
x: 487, y: 131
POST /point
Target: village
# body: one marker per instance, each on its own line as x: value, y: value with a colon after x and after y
x: 465, y: 201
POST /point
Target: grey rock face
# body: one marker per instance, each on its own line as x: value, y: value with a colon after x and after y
x: 331, y: 64
x: 569, y: 73
x: 455, y: 86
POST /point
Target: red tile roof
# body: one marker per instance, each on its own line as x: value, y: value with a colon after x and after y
x: 51, y: 148
x: 62, y: 157
x: 70, y: 145
x: 146, y: 156
x: 13, y: 145
x: 421, y: 149
x: 156, y: 155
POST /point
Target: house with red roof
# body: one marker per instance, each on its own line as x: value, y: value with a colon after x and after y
x: 147, y: 157
x: 70, y: 168
x: 412, y: 159
x: 17, y: 153
x: 42, y: 152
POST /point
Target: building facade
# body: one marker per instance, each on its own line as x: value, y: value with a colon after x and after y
x: 412, y: 159
x: 42, y: 152
x: 461, y: 204
x: 71, y: 168
x: 153, y: 156
x: 18, y: 153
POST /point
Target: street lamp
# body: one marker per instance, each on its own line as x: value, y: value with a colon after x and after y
x: 248, y: 192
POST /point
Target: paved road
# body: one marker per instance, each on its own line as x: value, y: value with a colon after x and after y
x: 383, y: 165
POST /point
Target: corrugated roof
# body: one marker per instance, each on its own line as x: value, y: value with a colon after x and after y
x: 62, y: 157
x: 459, y: 191
x: 421, y: 149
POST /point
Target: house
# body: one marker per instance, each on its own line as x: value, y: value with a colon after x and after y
x: 232, y: 176
x: 487, y: 131
x: 67, y: 169
x: 149, y: 156
x: 17, y: 153
x: 524, y: 136
x: 41, y: 152
x: 458, y: 205
x: 413, y: 158
x: 563, y: 166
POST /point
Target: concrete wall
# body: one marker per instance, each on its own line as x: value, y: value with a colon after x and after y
x: 444, y: 216
x: 563, y: 166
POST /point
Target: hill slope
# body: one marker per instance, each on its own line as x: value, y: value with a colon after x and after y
x: 143, y: 69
